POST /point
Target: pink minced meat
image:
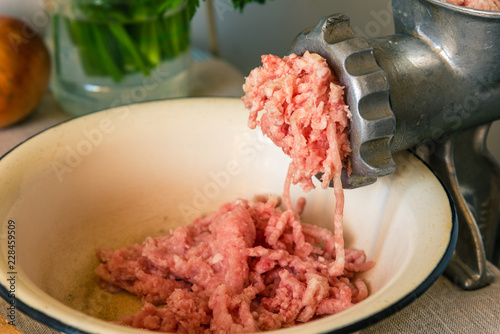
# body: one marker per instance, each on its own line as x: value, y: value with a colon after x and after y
x: 253, y: 265
x: 493, y: 5
x: 250, y: 266
x: 304, y: 113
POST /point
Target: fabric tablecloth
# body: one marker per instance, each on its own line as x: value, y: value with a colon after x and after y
x: 443, y: 309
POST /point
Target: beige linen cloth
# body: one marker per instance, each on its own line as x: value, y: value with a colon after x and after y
x: 443, y: 309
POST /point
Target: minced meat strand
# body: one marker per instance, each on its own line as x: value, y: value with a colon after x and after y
x: 250, y: 266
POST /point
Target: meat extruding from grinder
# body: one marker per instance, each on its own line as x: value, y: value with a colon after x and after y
x: 304, y: 113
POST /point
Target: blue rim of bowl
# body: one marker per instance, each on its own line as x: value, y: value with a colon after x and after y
x: 361, y: 324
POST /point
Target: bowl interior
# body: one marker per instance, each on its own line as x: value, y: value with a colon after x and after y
x: 114, y: 177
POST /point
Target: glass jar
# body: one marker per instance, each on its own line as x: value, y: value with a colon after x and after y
x: 108, y: 53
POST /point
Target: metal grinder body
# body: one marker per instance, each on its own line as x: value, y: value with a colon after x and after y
x: 433, y: 87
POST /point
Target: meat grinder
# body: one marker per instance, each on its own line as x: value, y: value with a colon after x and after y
x: 433, y: 87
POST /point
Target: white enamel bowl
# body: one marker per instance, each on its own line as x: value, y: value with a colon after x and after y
x: 116, y: 176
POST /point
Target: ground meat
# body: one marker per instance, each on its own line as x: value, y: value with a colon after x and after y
x: 250, y: 266
x: 304, y: 113
x: 493, y: 5
x: 253, y: 265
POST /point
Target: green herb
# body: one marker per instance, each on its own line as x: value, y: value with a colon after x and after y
x: 114, y: 38
x: 241, y: 3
